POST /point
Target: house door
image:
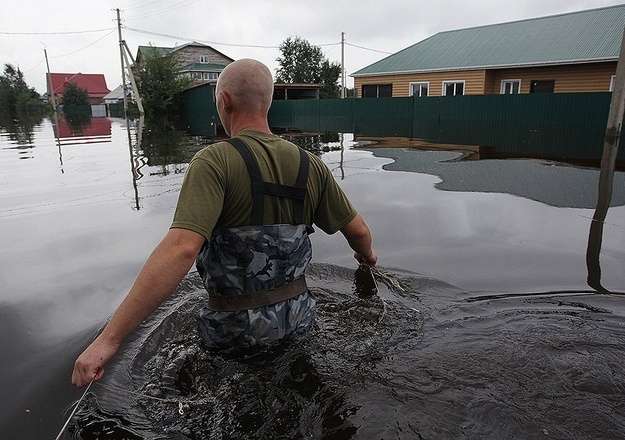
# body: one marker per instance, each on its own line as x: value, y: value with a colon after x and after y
x: 542, y: 86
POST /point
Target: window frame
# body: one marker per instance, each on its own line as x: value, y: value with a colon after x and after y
x: 377, y: 89
x: 453, y: 81
x: 202, y: 58
x: 502, y: 86
x: 533, y: 90
x: 612, y: 81
x: 411, y: 91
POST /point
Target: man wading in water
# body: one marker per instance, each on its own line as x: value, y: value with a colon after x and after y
x: 244, y: 216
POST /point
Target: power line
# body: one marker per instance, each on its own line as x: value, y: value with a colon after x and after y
x: 89, y: 31
x: 215, y: 43
x: 84, y: 47
x: 368, y: 48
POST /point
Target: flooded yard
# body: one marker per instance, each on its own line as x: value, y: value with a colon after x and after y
x: 485, y: 326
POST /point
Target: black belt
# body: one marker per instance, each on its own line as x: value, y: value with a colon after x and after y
x: 237, y: 303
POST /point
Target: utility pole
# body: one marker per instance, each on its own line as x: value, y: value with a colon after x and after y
x: 342, y: 65
x: 121, y: 58
x: 50, y: 83
x: 611, y: 142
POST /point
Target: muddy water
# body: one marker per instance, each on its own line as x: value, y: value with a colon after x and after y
x: 420, y: 360
x: 487, y: 328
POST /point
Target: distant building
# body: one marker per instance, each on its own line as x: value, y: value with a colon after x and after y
x: 573, y: 52
x: 295, y: 91
x: 200, y: 62
x: 116, y: 96
x: 93, y: 83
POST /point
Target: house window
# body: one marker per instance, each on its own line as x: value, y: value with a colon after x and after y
x: 419, y: 89
x: 377, y: 90
x: 542, y: 86
x: 453, y: 88
x: 612, y: 78
x: 510, y: 86
x: 204, y: 59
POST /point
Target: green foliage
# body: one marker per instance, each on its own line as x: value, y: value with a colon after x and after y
x: 74, y: 96
x: 16, y: 98
x: 161, y: 86
x: 330, y: 73
x: 302, y: 62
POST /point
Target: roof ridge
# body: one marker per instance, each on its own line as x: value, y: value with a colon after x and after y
x: 561, y: 14
x: 395, y: 53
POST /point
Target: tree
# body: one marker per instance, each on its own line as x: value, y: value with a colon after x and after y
x: 75, y: 96
x: 330, y: 73
x: 302, y: 62
x: 161, y: 86
x: 15, y: 95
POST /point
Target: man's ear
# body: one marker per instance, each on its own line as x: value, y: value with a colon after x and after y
x: 226, y: 100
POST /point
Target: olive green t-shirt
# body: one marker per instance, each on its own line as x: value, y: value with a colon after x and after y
x: 216, y: 191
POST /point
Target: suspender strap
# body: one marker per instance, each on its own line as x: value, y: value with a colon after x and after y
x: 260, y: 188
x: 256, y: 179
x: 300, y: 184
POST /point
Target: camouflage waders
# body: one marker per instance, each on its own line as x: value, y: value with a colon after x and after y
x: 255, y: 274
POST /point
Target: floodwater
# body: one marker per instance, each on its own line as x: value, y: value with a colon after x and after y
x: 485, y: 324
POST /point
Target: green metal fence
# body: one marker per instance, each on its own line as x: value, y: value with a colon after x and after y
x: 199, y: 109
x: 566, y: 123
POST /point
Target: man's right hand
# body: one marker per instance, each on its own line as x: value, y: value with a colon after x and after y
x: 90, y: 364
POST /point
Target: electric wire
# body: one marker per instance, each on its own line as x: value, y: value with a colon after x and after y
x: 89, y: 31
x: 215, y: 43
x: 84, y: 47
x: 367, y: 48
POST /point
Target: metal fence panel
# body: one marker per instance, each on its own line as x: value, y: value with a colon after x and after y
x: 562, y: 124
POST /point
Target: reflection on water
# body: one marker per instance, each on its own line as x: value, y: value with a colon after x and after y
x: 81, y: 215
x: 547, y: 182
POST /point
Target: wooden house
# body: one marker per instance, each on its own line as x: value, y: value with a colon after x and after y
x: 572, y: 52
x: 200, y: 62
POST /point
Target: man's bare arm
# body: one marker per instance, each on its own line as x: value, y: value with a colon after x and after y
x: 359, y: 238
x: 167, y: 265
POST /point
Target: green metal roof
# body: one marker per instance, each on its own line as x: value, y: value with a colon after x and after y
x: 154, y: 51
x: 202, y: 67
x: 583, y: 36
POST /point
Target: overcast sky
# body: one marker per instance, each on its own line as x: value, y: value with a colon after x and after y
x: 384, y: 25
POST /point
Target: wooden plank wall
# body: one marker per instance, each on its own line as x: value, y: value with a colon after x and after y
x: 474, y: 81
x: 592, y: 77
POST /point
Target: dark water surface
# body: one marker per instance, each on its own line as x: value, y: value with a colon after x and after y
x: 484, y: 327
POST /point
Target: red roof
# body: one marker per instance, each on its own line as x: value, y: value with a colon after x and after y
x: 93, y: 83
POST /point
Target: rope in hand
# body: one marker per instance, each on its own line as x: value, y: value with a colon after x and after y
x: 76, y: 405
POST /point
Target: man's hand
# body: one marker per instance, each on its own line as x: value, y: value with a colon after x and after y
x: 90, y: 364
x: 369, y: 260
x: 168, y: 264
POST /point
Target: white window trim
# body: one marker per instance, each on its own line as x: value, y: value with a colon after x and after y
x: 452, y: 81
x: 410, y: 91
x: 612, y: 79
x: 503, y: 81
x: 203, y: 57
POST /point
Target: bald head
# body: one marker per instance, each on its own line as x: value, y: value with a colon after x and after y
x: 248, y: 85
